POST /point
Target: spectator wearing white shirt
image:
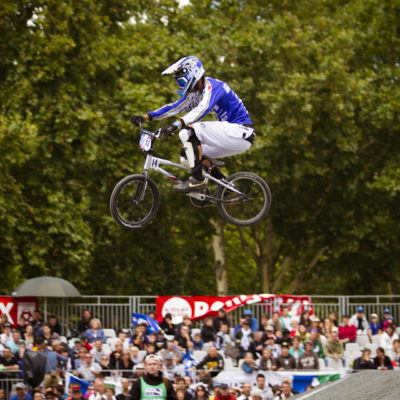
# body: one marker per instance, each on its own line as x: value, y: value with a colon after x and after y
x: 7, y: 334
x: 360, y: 322
x: 286, y: 319
x: 89, y: 369
x: 246, y: 392
x: 98, y: 351
x: 388, y: 337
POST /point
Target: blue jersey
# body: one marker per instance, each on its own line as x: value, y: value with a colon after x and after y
x: 217, y: 97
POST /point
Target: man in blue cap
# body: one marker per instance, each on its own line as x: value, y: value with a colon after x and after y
x: 360, y: 322
x: 387, y: 315
x: 248, y: 316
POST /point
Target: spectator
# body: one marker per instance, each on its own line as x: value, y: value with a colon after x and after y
x: 181, y: 387
x: 182, y: 339
x: 248, y: 365
x: 171, y: 349
x: 265, y: 389
x: 167, y: 326
x: 213, y: 362
x: 387, y: 317
x: 275, y: 348
x: 295, y: 327
x: 333, y: 317
x: 89, y: 369
x: 220, y: 319
x: 394, y: 354
x: 224, y: 393
x: 37, y: 323
x: 207, y: 331
x: 171, y: 368
x: 198, y: 344
x: 305, y: 319
x: 84, y: 323
x: 161, y: 341
x: 21, y: 393
x: 21, y: 327
x: 286, y: 391
x: 78, y: 362
x: 76, y: 393
x: 374, y: 327
x: 222, y: 339
x: 6, y: 335
x: 257, y: 345
x: 48, y: 336
x: 303, y: 334
x: 244, y: 337
x: 98, y: 351
x: 139, y: 337
x: 99, y: 389
x: 125, y: 384
x: 333, y: 348
x: 14, y: 342
x: 125, y: 364
x: 186, y: 322
x: 388, y: 337
x: 364, y: 362
x: 237, y: 327
x: 201, y: 393
x: 74, y: 352
x: 347, y: 332
x: 263, y: 323
x: 381, y: 361
x: 265, y: 363
x: 286, y: 337
x: 3, y: 320
x: 246, y: 392
x: 105, y: 365
x: 116, y: 354
x: 95, y: 331
x: 152, y: 378
x: 296, y: 350
x: 248, y: 316
x: 315, y: 322
x: 54, y: 325
x: 308, y: 360
x: 316, y: 343
x: 8, y: 363
x: 109, y: 393
x: 29, y: 336
x: 359, y: 321
x: 275, y: 322
x: 285, y: 361
x: 286, y: 319
x: 327, y: 327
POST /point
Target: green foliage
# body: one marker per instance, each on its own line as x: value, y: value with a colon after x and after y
x: 321, y: 82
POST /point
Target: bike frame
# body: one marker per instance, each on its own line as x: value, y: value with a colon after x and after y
x: 154, y: 163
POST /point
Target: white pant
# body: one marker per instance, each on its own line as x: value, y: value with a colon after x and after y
x: 221, y: 138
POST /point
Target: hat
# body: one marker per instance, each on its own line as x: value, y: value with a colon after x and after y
x: 385, y: 311
x: 246, y: 323
x: 257, y: 392
x: 76, y: 388
x: 285, y: 344
x: 373, y: 315
x: 269, y: 328
x: 314, y: 318
x: 216, y: 384
x: 271, y: 337
x: 307, y: 341
x: 20, y: 385
x: 168, y: 356
x: 335, y: 329
x: 77, y: 340
x: 153, y: 357
x: 224, y: 386
x: 360, y: 309
x: 6, y: 325
x: 49, y: 393
x: 247, y: 312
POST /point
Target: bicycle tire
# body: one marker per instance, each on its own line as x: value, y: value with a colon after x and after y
x: 148, y: 205
x: 248, y: 183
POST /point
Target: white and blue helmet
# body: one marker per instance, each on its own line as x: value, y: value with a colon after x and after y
x: 187, y: 72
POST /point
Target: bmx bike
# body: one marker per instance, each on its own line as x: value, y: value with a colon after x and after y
x: 242, y: 199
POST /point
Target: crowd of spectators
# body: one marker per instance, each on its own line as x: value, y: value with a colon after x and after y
x: 192, y: 357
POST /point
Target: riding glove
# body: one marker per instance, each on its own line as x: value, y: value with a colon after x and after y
x: 137, y: 119
x: 168, y: 131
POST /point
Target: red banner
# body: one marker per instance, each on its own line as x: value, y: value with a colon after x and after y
x: 15, y: 307
x: 199, y: 307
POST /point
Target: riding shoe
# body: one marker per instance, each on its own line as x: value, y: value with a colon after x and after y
x: 190, y: 185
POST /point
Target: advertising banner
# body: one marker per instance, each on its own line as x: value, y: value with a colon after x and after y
x: 15, y: 307
x: 199, y: 307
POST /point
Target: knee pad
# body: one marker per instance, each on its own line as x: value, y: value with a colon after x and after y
x: 189, y: 135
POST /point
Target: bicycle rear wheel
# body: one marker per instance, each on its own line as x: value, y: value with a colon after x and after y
x: 134, y: 201
x: 249, y: 207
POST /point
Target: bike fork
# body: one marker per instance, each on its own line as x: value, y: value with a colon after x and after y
x: 141, y: 187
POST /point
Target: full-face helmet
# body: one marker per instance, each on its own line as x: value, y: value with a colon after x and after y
x: 187, y: 72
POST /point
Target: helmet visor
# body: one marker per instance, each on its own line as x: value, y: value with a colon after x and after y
x: 182, y: 82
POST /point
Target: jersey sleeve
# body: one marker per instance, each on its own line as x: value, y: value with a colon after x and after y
x: 171, y: 109
x: 209, y: 99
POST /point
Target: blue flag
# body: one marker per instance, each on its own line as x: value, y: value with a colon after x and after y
x: 152, y: 325
x: 73, y: 379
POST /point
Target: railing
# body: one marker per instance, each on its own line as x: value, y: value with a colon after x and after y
x: 8, y: 385
x: 115, y: 312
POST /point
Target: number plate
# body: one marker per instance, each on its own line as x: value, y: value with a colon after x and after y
x: 145, y: 142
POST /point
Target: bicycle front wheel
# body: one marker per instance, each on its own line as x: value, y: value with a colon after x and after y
x: 249, y: 207
x: 134, y: 201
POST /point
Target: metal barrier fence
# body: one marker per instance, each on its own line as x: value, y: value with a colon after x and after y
x: 115, y: 312
x: 8, y: 385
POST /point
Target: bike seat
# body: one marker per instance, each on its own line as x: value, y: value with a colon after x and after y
x: 213, y: 161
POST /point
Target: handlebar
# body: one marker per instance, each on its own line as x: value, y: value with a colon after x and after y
x: 156, y: 135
